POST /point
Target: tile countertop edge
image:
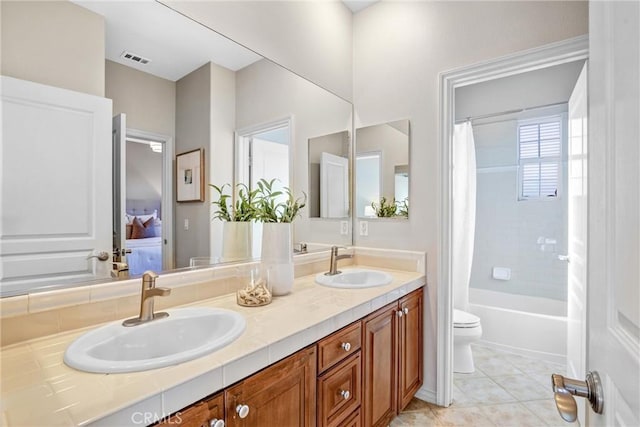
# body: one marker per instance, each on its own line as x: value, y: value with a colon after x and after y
x: 173, y: 398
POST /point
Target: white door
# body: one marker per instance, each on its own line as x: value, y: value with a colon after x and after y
x: 55, y: 203
x: 334, y: 186
x: 577, y: 234
x: 119, y: 143
x: 613, y: 308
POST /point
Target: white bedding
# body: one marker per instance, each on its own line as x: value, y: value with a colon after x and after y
x: 146, y: 254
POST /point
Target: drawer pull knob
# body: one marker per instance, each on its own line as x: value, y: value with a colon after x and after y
x: 406, y: 310
x: 216, y: 423
x: 242, y: 411
x: 345, y: 394
x: 346, y: 346
x: 400, y: 313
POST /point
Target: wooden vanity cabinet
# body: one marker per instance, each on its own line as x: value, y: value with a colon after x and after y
x: 392, y: 347
x: 283, y: 394
x: 206, y: 413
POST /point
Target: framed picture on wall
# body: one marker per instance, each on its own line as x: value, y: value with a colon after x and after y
x: 190, y: 176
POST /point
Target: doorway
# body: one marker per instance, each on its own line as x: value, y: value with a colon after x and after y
x: 536, y: 59
x: 264, y: 152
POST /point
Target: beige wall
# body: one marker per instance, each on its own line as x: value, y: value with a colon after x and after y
x: 55, y: 43
x: 312, y: 38
x: 193, y: 130
x: 148, y: 101
x: 399, y: 49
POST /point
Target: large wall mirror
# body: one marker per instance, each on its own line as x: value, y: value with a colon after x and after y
x: 382, y: 170
x: 181, y: 88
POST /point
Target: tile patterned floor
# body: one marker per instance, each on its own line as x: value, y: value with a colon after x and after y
x: 505, y: 390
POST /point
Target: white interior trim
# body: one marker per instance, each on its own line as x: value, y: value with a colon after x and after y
x: 569, y: 50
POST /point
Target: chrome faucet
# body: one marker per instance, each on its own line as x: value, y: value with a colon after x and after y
x: 149, y: 291
x: 333, y: 262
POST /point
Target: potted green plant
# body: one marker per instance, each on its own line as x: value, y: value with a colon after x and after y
x: 277, y: 209
x: 237, y: 218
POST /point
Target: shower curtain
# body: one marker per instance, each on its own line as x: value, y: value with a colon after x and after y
x: 464, y: 212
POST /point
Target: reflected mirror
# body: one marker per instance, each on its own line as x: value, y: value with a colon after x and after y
x: 182, y: 88
x: 382, y: 170
x: 329, y: 176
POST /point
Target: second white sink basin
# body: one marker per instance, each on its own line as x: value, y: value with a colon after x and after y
x: 187, y: 333
x: 355, y: 278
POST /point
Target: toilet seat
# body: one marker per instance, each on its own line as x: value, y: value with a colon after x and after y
x: 462, y: 319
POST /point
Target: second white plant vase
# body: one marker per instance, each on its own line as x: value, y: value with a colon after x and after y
x: 236, y: 241
x: 277, y: 256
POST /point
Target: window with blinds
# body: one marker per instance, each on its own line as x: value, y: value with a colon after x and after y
x: 539, y: 155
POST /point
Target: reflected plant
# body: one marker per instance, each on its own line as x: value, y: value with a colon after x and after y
x: 386, y: 209
x: 403, y: 208
x: 243, y: 210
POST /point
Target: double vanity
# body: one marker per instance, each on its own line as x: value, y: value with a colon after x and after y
x: 308, y: 356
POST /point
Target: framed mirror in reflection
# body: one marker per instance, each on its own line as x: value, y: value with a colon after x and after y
x: 175, y: 86
x: 382, y: 170
x: 329, y: 176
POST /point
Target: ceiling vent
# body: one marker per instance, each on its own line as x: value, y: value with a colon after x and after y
x: 129, y: 56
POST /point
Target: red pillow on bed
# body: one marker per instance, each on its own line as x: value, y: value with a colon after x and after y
x: 142, y: 230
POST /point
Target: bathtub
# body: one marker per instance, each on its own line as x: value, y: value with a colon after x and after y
x: 530, y: 326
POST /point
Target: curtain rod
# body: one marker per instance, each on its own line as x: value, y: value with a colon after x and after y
x: 504, y: 113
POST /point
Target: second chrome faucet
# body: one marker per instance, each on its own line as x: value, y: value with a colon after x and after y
x: 333, y: 262
x: 149, y: 291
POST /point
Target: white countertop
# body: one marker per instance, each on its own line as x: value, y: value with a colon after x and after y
x: 38, y: 389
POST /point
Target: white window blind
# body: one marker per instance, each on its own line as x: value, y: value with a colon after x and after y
x: 539, y: 155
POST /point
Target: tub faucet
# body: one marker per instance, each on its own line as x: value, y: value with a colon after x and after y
x: 333, y: 266
x: 149, y: 291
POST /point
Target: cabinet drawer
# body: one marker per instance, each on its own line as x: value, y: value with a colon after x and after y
x: 339, y: 392
x: 338, y: 346
x: 198, y: 415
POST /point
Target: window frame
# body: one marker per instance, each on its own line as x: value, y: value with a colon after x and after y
x: 561, y: 119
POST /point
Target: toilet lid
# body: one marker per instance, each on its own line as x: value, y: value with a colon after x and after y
x: 464, y: 320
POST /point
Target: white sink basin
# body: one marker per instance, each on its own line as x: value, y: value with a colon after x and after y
x: 355, y: 278
x: 188, y: 333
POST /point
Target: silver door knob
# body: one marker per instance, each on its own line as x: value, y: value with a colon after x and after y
x: 399, y: 313
x: 216, y: 423
x: 405, y: 310
x: 346, y: 346
x: 345, y: 394
x: 565, y: 388
x: 242, y: 411
x: 102, y: 256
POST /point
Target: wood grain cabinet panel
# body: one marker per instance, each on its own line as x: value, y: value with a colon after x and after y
x: 355, y: 420
x: 283, y: 394
x: 201, y: 414
x: 380, y: 366
x: 410, y: 347
x: 339, y: 392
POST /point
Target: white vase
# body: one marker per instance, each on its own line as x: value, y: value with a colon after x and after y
x: 236, y: 241
x: 277, y: 256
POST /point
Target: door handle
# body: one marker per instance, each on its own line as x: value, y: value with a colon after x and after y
x: 102, y: 256
x: 565, y: 388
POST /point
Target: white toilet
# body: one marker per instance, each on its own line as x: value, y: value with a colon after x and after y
x: 466, y: 329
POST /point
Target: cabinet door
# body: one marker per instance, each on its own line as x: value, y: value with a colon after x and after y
x: 283, y: 394
x: 380, y: 366
x: 410, y: 348
x: 201, y: 414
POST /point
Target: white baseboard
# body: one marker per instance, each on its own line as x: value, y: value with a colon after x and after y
x: 426, y: 395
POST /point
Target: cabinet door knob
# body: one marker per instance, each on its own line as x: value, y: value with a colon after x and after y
x: 406, y: 310
x: 242, y: 411
x: 216, y: 423
x: 346, y: 346
x: 345, y: 394
x: 399, y: 313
